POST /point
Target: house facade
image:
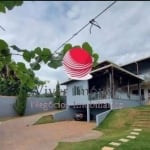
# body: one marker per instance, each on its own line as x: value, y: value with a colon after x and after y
x: 142, y: 69
x: 112, y: 87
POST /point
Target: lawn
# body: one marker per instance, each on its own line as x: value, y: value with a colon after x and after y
x: 117, y: 125
x: 45, y: 120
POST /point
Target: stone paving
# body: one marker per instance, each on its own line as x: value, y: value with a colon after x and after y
x: 134, y: 133
x: 114, y: 143
x: 107, y: 148
x: 131, y: 137
x: 137, y: 130
x: 123, y: 140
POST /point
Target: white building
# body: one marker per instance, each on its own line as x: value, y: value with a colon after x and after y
x: 112, y: 87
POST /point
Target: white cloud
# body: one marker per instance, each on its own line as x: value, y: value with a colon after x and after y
x: 124, y: 36
x: 74, y: 12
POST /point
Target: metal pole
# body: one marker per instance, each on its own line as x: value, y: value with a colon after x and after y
x: 128, y: 89
x: 139, y: 88
x: 137, y: 68
x: 88, y: 113
x: 113, y: 83
x: 110, y: 81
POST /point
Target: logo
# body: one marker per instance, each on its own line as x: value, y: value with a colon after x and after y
x: 77, y: 63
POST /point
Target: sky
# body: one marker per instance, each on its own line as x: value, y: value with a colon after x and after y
x: 123, y: 37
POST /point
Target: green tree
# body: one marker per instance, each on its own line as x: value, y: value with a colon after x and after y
x: 17, y: 76
x: 58, y: 99
x: 9, y: 5
x: 20, y: 104
x: 37, y: 56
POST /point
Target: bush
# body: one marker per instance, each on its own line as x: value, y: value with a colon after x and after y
x: 58, y: 99
x: 20, y: 104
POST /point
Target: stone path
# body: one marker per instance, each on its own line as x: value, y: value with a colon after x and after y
x: 123, y: 140
x: 138, y: 130
x: 114, y: 143
x: 131, y: 137
x: 107, y: 148
x: 134, y: 133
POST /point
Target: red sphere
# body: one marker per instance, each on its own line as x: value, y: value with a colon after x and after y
x: 77, y: 63
x: 81, y: 56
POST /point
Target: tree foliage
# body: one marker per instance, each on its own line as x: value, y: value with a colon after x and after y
x: 20, y: 104
x: 14, y: 73
x: 39, y: 55
x: 9, y: 5
x: 58, y: 99
x: 16, y: 79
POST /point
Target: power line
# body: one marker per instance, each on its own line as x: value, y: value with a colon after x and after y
x: 2, y: 28
x: 90, y: 22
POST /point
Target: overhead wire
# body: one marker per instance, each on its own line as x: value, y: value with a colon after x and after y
x: 92, y: 22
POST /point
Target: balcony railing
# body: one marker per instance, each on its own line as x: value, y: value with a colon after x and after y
x: 124, y: 95
x: 99, y: 95
x: 118, y: 95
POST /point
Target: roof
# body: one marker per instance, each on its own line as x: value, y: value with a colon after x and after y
x: 109, y: 64
x: 136, y: 61
x: 103, y: 63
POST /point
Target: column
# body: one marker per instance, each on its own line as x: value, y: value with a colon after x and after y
x: 139, y: 89
x: 110, y: 81
x: 88, y: 113
x: 113, y: 88
x: 128, y: 89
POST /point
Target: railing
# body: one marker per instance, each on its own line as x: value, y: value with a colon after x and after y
x: 127, y: 96
x: 99, y: 95
x: 118, y: 95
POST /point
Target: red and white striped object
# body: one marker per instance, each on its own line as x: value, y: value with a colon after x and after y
x: 77, y: 63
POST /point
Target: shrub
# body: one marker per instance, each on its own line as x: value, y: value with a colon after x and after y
x: 20, y: 104
x: 58, y: 99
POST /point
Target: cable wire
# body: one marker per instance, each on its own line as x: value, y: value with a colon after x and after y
x: 82, y: 28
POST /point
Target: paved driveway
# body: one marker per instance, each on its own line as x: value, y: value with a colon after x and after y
x: 19, y: 134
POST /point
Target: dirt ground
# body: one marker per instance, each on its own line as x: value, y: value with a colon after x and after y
x: 20, y: 134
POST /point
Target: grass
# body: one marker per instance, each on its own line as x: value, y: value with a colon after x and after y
x: 142, y: 142
x: 117, y: 125
x: 6, y: 118
x: 45, y: 120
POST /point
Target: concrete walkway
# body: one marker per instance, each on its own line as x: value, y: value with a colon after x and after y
x: 19, y: 134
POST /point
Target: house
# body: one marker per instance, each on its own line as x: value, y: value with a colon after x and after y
x: 112, y: 87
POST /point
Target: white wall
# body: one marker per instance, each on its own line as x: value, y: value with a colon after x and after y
x: 77, y: 99
x: 146, y: 92
x: 34, y: 105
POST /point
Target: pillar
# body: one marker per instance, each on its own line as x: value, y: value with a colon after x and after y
x: 110, y: 81
x: 139, y: 89
x: 128, y: 89
x: 88, y: 113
